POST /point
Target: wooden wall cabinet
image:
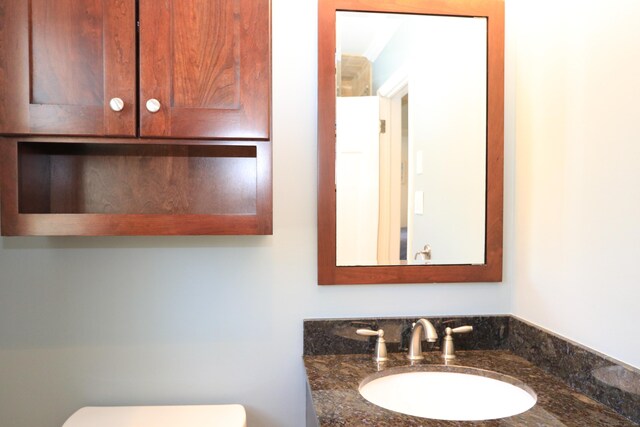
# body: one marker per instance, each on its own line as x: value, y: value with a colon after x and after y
x: 135, y: 117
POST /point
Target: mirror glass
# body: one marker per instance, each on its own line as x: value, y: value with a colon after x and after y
x: 411, y: 139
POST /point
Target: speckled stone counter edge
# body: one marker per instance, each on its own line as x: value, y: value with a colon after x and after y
x: 581, y: 368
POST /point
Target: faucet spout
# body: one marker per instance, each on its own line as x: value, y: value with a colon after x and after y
x: 421, y: 328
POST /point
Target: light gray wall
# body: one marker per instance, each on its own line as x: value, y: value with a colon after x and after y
x: 578, y: 171
x: 177, y: 320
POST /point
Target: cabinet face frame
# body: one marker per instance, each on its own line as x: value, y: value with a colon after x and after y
x: 23, y: 48
x: 491, y: 271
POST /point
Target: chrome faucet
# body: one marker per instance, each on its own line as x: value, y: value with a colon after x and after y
x: 420, y: 328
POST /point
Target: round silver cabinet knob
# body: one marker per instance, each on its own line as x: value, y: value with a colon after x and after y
x: 153, y: 105
x: 116, y: 104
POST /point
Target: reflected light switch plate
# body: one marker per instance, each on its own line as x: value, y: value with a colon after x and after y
x: 418, y: 203
x: 419, y: 162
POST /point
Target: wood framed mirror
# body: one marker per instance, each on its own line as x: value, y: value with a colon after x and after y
x: 410, y: 141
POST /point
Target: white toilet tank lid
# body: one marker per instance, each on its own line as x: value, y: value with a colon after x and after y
x: 159, y: 416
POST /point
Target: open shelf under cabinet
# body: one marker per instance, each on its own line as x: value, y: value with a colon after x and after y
x: 143, y: 187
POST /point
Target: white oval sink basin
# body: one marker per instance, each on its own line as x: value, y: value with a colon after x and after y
x: 448, y: 393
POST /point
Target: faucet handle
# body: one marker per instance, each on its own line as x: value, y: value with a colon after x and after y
x: 459, y: 330
x: 370, y: 333
x: 424, y: 254
x: 448, y: 352
x: 380, y: 354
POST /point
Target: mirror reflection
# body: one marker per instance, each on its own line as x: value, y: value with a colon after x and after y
x: 410, y: 139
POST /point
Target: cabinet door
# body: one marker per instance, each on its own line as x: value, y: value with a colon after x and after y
x: 207, y: 64
x: 62, y: 62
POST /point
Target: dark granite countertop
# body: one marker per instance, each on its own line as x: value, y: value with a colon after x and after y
x: 334, y: 381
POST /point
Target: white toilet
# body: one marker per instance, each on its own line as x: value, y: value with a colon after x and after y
x: 159, y: 416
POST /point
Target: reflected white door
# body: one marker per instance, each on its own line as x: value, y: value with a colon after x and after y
x: 447, y: 140
x: 357, y: 180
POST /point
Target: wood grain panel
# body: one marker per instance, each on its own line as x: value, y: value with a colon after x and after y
x: 431, y: 7
x: 65, y: 180
x: 67, y: 66
x: 155, y: 66
x: 326, y: 142
x: 130, y: 225
x: 120, y: 67
x: 14, y: 66
x: 206, y: 36
x: 137, y: 179
x: 9, y: 187
x: 491, y: 271
x: 66, y: 119
x: 231, y: 183
x: 34, y: 181
x: 208, y: 63
x: 264, y: 206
